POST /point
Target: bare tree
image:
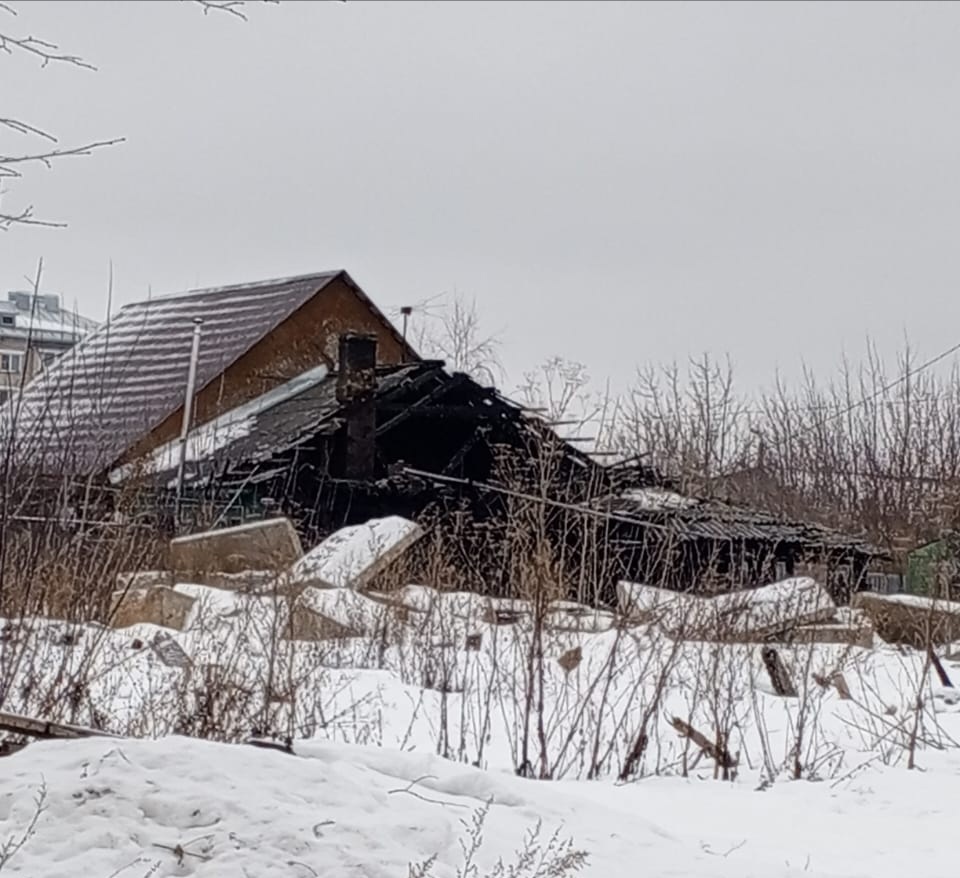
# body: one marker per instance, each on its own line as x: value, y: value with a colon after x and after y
x: 451, y: 330
x: 36, y: 146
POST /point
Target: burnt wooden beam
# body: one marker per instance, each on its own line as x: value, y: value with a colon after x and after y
x: 465, y: 449
x: 945, y: 680
x: 433, y: 372
x: 413, y: 408
x: 439, y: 410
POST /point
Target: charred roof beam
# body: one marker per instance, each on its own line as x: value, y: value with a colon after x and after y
x: 408, y: 410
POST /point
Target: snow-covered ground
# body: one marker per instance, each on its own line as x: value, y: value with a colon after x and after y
x: 366, y: 792
x: 173, y: 807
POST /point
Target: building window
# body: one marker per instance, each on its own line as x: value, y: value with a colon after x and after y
x: 7, y: 320
x: 10, y: 363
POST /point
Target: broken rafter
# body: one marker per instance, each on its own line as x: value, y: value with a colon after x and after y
x: 417, y: 407
x: 440, y: 410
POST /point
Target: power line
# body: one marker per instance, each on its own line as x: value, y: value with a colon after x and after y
x: 906, y: 376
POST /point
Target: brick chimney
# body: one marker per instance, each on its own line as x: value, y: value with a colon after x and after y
x: 356, y: 392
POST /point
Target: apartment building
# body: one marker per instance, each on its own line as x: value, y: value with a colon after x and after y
x: 34, y: 331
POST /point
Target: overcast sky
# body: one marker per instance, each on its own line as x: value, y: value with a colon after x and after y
x: 617, y: 183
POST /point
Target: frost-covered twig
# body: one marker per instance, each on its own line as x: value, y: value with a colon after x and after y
x: 13, y: 845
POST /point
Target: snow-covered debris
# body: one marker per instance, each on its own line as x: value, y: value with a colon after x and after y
x: 742, y: 615
x: 354, y: 555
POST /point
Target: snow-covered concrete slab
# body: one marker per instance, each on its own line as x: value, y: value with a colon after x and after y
x: 744, y: 616
x: 355, y: 555
x: 328, y: 614
x: 773, y: 609
x: 671, y: 610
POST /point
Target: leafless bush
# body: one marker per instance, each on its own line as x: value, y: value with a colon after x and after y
x: 872, y: 449
x: 539, y: 857
x: 15, y: 843
x: 450, y: 329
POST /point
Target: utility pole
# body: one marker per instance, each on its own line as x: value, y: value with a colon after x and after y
x: 187, y: 415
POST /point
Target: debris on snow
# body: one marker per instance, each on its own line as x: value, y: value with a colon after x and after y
x: 354, y: 555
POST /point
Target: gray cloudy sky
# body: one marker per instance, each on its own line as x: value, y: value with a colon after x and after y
x: 617, y: 183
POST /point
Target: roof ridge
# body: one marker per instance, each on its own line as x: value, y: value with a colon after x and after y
x: 228, y: 288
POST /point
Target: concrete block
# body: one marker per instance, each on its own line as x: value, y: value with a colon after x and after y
x: 153, y: 605
x: 260, y: 545
x: 355, y: 555
x: 306, y: 623
x: 247, y: 582
x: 332, y: 614
x: 911, y: 620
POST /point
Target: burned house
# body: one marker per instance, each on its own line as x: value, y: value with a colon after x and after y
x: 332, y: 448
x: 307, y: 402
x: 335, y: 447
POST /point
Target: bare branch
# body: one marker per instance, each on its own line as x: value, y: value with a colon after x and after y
x: 25, y: 218
x: 231, y: 7
x: 46, y: 157
x: 45, y: 51
x: 22, y: 127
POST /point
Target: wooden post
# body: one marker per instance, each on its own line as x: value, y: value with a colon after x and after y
x: 719, y: 753
x: 939, y: 668
x: 779, y: 677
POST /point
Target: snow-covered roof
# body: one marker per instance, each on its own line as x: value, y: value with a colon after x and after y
x: 655, y: 499
x: 40, y: 318
x: 126, y: 378
x: 206, y: 440
x: 266, y: 426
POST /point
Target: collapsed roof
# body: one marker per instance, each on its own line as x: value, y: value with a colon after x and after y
x: 258, y: 438
x: 690, y: 519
